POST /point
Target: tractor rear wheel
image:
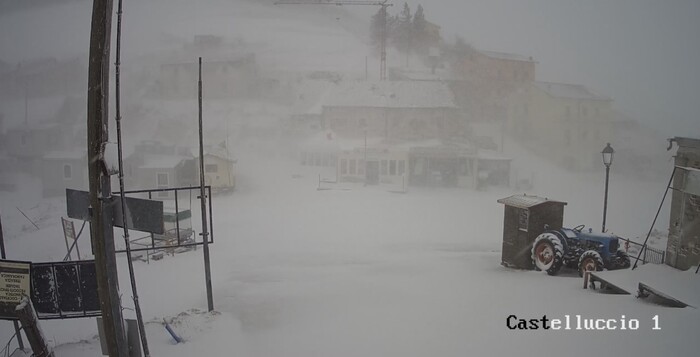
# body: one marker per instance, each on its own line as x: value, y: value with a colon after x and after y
x: 590, y: 260
x: 548, y: 253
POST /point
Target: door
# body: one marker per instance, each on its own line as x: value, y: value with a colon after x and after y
x: 372, y: 173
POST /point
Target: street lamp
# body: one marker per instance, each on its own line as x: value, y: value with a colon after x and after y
x: 364, y: 129
x: 608, y: 153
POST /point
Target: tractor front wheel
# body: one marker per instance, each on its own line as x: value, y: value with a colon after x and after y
x: 590, y: 260
x: 622, y: 260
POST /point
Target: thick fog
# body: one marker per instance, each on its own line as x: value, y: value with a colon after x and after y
x: 352, y: 214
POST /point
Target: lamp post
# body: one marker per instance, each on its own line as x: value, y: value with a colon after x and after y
x: 608, y: 153
x: 364, y: 128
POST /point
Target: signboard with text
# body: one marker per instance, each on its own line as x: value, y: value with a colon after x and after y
x: 14, y: 282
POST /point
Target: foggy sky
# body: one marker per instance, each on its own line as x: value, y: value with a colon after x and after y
x: 642, y: 53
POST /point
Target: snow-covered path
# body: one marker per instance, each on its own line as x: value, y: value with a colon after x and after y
x: 301, y: 272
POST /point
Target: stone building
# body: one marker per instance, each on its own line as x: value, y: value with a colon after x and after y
x: 566, y: 123
x: 683, y: 245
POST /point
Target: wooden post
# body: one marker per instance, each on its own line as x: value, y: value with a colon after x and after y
x: 20, y: 342
x: 102, y: 210
x: 30, y: 323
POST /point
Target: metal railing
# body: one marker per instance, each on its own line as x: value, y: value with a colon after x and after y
x: 649, y: 254
x: 174, y: 238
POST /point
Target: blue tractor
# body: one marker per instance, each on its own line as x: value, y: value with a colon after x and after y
x: 576, y: 249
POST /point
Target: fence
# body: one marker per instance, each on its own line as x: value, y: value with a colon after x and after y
x: 649, y: 254
x: 177, y: 236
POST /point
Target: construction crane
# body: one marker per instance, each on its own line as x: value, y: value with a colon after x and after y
x: 384, y: 4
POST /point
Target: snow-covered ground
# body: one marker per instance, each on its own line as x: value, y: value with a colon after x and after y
x: 300, y: 272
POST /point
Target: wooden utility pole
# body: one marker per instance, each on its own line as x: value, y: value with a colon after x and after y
x: 203, y: 198
x: 101, y: 206
x: 30, y: 323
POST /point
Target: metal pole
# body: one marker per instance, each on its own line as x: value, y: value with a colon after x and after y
x: 382, y: 64
x: 102, y: 231
x: 365, y: 163
x: 127, y: 243
x: 605, y: 200
x: 668, y: 186
x: 202, y: 198
x: 2, y: 255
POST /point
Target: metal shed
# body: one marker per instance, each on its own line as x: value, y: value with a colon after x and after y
x: 525, y: 218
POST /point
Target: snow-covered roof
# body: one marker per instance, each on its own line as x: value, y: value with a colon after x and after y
x: 507, y: 56
x: 151, y: 161
x: 525, y: 201
x: 687, y: 142
x: 66, y: 155
x: 492, y: 155
x: 391, y: 94
x: 219, y: 152
x: 571, y: 91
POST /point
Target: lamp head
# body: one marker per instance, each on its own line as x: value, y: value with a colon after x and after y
x: 608, y: 153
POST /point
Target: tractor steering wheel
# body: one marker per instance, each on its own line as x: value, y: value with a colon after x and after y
x: 579, y: 228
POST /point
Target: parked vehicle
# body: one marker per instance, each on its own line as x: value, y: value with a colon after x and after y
x: 576, y: 249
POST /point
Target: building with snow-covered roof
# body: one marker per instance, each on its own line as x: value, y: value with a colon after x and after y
x: 64, y: 169
x: 392, y: 110
x: 45, y: 125
x: 483, y: 80
x: 156, y: 166
x: 568, y: 123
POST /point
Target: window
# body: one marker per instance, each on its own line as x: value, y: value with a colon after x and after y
x: 211, y: 168
x: 162, y: 180
x: 384, y: 168
x: 402, y: 167
x: 353, y: 167
x: 523, y: 219
x: 67, y: 172
x: 392, y: 167
x: 361, y: 167
x: 343, y: 166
